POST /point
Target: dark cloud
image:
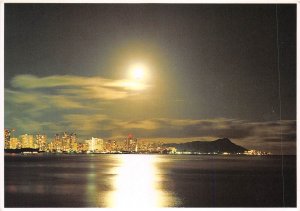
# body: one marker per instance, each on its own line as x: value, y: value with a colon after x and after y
x: 31, y: 109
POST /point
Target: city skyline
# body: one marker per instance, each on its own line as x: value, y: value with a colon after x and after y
x: 174, y: 72
x: 68, y: 143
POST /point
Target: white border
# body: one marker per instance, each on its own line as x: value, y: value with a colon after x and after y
x: 298, y: 101
x: 2, y: 105
x: 135, y: 1
x: 160, y: 1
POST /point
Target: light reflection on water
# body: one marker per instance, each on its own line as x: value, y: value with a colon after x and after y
x: 147, y: 181
x: 136, y: 184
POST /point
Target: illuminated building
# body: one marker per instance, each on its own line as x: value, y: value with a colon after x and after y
x: 169, y: 150
x: 95, y: 145
x: 131, y: 143
x: 50, y: 147
x: 82, y: 147
x: 74, y: 147
x: 107, y: 146
x: 85, y: 147
x: 41, y: 141
x: 66, y: 142
x: 27, y: 141
x: 256, y: 152
x: 57, y: 144
x: 114, y: 146
x: 14, y: 143
x: 73, y: 142
x: 6, y: 138
x: 79, y: 147
x: 111, y: 146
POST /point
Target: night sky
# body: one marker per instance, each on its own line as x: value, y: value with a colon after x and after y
x: 211, y: 71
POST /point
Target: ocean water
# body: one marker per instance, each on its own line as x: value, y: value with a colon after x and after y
x: 128, y: 181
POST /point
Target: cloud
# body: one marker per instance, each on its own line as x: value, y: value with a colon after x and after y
x: 276, y: 136
x: 95, y: 92
x: 236, y: 129
x: 65, y: 81
x: 33, y: 82
x: 38, y: 101
x: 89, y: 123
x: 272, y: 136
x: 76, y: 104
x: 145, y: 125
x: 65, y: 92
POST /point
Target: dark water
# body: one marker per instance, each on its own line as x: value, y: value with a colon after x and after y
x: 149, y: 181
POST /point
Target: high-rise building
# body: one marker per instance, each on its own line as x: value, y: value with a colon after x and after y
x: 27, y: 141
x: 6, y: 138
x: 95, y: 144
x: 56, y: 144
x: 50, y: 147
x: 40, y: 142
x: 131, y: 143
x: 73, y: 142
x: 66, y: 142
x: 14, y: 143
x: 79, y: 148
x: 85, y: 147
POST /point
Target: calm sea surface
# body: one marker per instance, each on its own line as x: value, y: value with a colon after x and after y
x: 149, y: 181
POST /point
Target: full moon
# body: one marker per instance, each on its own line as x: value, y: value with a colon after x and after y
x: 138, y: 71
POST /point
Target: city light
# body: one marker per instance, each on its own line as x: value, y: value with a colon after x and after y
x: 69, y: 143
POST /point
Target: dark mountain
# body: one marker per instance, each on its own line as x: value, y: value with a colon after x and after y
x: 217, y: 146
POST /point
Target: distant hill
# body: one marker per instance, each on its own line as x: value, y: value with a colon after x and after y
x: 218, y: 146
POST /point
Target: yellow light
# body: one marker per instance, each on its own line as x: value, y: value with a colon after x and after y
x: 136, y: 184
x: 138, y: 71
x: 133, y: 85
